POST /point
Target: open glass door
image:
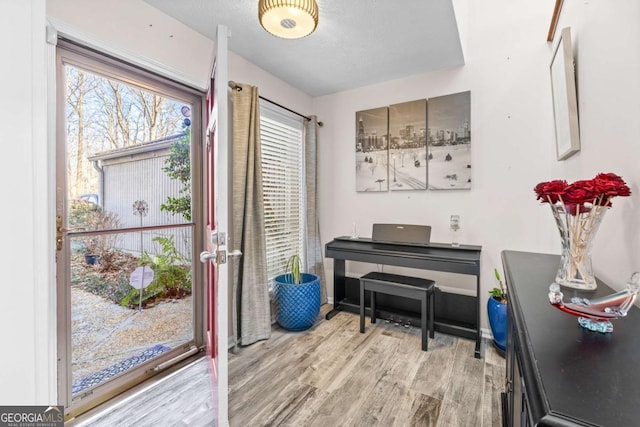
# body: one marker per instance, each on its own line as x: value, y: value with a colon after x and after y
x: 130, y: 290
x: 217, y: 161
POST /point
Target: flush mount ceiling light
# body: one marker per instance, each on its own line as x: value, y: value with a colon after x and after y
x: 289, y: 19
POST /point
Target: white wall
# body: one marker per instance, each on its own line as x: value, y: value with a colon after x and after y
x: 513, y: 144
x: 27, y: 335
x: 137, y: 32
x: 606, y: 39
x: 269, y: 86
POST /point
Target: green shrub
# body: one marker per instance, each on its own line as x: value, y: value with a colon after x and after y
x: 178, y: 166
x: 172, y: 274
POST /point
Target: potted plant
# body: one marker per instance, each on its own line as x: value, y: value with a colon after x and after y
x: 297, y: 297
x: 497, y: 313
x: 91, y: 251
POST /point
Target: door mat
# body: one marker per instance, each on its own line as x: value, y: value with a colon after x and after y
x: 118, y: 368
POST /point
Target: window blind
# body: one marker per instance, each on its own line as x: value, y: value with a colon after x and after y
x: 281, y: 135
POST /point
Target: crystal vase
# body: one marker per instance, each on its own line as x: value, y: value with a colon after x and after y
x: 578, y: 225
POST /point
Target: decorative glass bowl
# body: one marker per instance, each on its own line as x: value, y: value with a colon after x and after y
x: 596, y: 314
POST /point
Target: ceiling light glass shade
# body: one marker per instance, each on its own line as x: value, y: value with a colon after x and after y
x: 289, y: 19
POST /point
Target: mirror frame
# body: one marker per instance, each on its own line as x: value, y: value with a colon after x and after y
x: 565, y: 102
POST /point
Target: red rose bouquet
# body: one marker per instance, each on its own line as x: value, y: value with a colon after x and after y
x: 578, y: 209
x: 581, y: 196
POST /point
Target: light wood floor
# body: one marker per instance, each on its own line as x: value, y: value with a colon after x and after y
x: 182, y: 398
x: 330, y: 376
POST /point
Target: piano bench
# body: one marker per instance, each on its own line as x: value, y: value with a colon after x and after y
x: 402, y: 286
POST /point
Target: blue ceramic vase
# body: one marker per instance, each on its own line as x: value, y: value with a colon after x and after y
x: 497, y: 313
x: 298, y: 305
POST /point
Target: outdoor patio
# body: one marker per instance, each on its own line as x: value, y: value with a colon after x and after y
x: 108, y: 339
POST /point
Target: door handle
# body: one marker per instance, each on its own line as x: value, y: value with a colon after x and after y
x: 60, y: 230
x: 66, y: 230
x: 206, y: 256
x: 219, y: 256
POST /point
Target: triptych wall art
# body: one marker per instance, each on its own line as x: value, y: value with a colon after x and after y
x: 415, y: 145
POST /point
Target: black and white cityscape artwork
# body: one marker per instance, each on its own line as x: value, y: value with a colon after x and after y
x: 372, y: 153
x: 408, y: 146
x: 449, y: 142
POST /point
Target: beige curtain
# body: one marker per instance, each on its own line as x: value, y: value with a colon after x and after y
x: 251, y: 295
x: 314, y: 253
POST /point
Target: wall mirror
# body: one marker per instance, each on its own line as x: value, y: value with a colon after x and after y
x: 565, y: 104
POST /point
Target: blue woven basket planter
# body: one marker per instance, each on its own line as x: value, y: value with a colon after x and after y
x: 298, y: 305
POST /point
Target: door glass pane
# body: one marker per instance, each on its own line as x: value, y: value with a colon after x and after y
x: 126, y: 144
x: 128, y: 164
x: 115, y: 326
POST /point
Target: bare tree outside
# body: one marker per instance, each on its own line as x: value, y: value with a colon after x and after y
x: 105, y: 114
x: 79, y: 83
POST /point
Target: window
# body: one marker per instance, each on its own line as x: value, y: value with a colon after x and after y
x: 281, y: 134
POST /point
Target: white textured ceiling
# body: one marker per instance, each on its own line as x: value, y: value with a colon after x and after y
x: 357, y: 43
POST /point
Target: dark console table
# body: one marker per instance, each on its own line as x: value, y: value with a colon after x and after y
x: 559, y: 374
x: 455, y: 314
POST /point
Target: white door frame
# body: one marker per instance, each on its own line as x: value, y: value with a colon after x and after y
x: 46, y: 320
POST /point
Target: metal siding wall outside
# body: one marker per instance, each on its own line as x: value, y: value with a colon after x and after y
x: 145, y: 180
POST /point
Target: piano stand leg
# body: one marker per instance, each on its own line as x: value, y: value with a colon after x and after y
x: 333, y: 313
